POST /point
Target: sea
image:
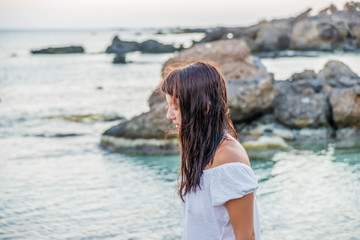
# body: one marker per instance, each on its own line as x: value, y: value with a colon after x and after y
x: 57, y: 182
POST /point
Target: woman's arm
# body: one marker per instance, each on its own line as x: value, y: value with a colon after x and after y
x: 242, y: 216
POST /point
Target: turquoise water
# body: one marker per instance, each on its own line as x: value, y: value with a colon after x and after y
x: 69, y: 188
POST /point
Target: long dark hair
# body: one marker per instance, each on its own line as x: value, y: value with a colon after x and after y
x: 201, y: 92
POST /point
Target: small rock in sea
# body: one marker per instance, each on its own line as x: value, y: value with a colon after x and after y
x: 140, y: 146
x: 66, y: 135
x: 153, y: 46
x: 59, y: 50
x: 58, y: 135
x: 88, y: 118
x: 313, y: 133
x: 119, y: 58
x: 266, y: 143
x: 149, y: 46
x: 159, y: 32
x: 99, y: 88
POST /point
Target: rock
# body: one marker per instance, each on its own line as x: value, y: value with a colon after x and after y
x: 332, y: 9
x: 152, y: 46
x: 149, y: 125
x: 306, y: 35
x: 331, y: 29
x: 121, y: 47
x: 192, y: 30
x: 220, y: 52
x: 345, y: 104
x: 215, y: 34
x: 313, y: 133
x: 306, y: 74
x: 348, y: 133
x: 88, y: 117
x: 266, y: 143
x: 271, y: 129
x: 58, y: 135
x: 328, y: 32
x: 250, y: 86
x: 336, y: 74
x: 301, y: 103
x: 140, y: 146
x: 352, y: 7
x: 273, y: 36
x: 59, y: 50
x: 286, y: 53
x: 354, y: 33
x: 156, y: 97
x: 120, y: 58
x: 248, y: 98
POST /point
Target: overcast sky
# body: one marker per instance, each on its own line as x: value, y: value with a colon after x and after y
x: 66, y: 14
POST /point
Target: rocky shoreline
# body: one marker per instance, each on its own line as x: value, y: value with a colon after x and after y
x: 268, y: 114
x: 331, y: 29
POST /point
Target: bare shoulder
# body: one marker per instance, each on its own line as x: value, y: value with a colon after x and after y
x: 230, y: 150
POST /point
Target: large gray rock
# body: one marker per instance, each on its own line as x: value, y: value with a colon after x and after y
x: 300, y: 104
x: 323, y: 35
x: 250, y: 86
x: 248, y: 98
x: 345, y: 104
x: 150, y: 46
x: 121, y: 47
x: 149, y: 125
x: 274, y: 35
x: 336, y: 74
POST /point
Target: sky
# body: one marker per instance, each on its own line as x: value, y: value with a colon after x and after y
x: 78, y: 14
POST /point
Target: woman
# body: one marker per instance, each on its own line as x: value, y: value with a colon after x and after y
x: 216, y: 183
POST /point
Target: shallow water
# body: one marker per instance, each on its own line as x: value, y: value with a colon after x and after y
x: 70, y: 188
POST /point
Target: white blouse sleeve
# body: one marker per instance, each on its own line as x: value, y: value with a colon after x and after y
x: 231, y: 181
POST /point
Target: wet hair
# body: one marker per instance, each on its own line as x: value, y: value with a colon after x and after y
x: 200, y: 91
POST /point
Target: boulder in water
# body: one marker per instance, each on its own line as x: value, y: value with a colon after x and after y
x: 59, y: 50
x: 345, y: 104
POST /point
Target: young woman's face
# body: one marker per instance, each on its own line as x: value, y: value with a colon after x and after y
x: 173, y: 112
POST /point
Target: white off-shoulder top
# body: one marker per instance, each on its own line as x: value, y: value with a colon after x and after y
x: 205, y: 214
